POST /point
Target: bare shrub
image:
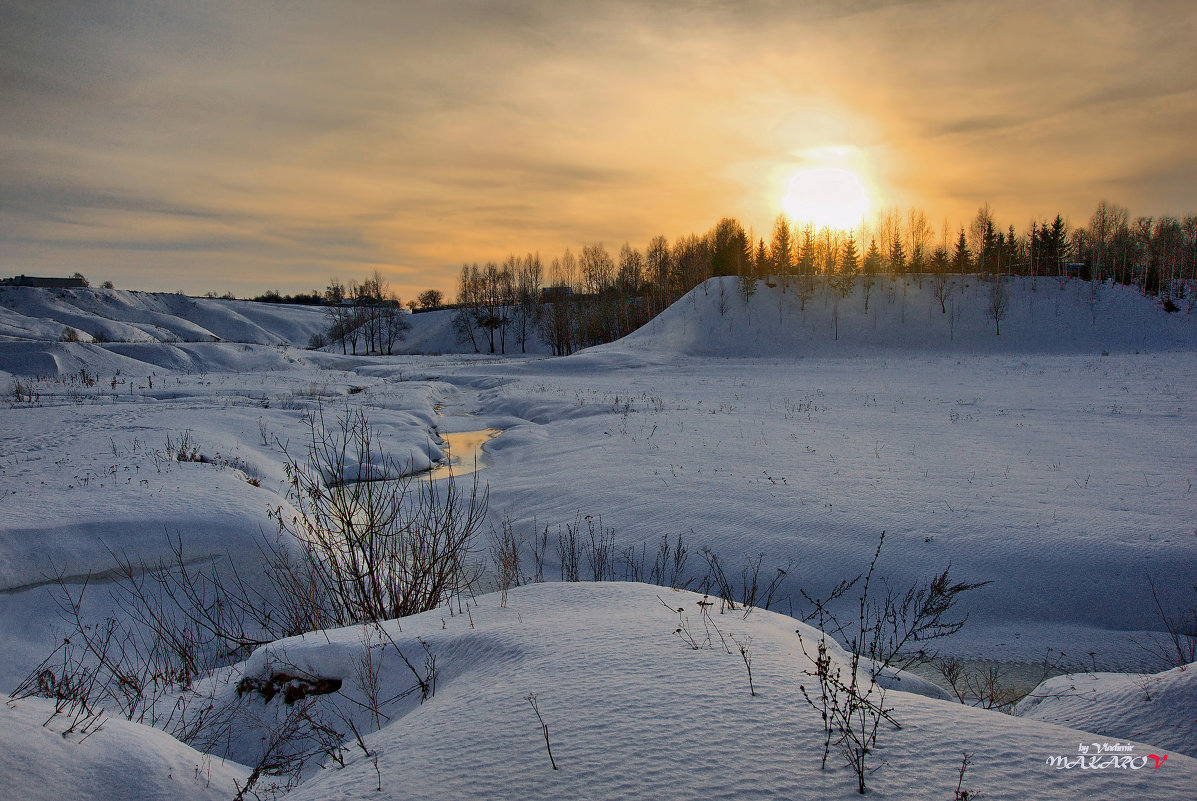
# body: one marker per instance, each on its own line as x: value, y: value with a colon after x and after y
x: 691, y: 637
x: 599, y: 549
x: 962, y: 793
x: 184, y: 448
x: 303, y: 734
x: 540, y: 547
x: 991, y: 686
x: 24, y: 393
x: 744, y: 646
x: 123, y: 665
x: 569, y: 553
x: 374, y: 543
x: 669, y: 564
x: 1180, y: 631
x: 585, y: 540
x: 544, y: 728
x: 505, y: 547
x: 850, y: 701
x: 753, y: 591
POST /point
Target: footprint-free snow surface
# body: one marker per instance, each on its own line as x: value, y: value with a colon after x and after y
x: 1055, y: 461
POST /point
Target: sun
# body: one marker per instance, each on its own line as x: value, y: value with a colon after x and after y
x: 826, y: 196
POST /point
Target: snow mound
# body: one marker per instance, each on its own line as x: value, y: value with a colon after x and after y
x: 115, y: 315
x: 1045, y: 316
x: 127, y: 331
x: 635, y: 708
x: 1160, y: 708
x: 39, y: 759
x: 433, y: 333
x: 46, y: 359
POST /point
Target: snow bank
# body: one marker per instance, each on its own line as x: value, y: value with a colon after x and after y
x: 120, y: 315
x: 121, y: 760
x: 635, y: 711
x: 433, y: 333
x: 1160, y: 708
x: 1044, y: 316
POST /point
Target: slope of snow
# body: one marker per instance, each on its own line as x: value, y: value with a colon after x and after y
x: 634, y: 711
x: 95, y: 477
x: 1064, y: 480
x: 122, y: 316
x: 121, y: 760
x: 433, y: 333
x: 1044, y: 316
x: 1160, y: 708
x: 45, y: 359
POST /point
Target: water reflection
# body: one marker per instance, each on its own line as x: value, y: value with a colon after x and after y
x: 464, y: 453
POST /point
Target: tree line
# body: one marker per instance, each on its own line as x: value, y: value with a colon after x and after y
x: 577, y: 300
x: 366, y: 314
x: 591, y: 297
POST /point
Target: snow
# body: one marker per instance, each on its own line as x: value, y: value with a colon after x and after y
x: 1055, y: 461
x: 40, y: 760
x: 121, y: 315
x: 1045, y: 316
x: 1161, y: 707
x: 633, y: 711
x: 432, y: 332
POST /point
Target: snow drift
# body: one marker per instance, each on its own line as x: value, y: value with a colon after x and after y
x: 1044, y: 316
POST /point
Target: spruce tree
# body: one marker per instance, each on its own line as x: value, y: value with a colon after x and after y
x: 961, y: 258
x: 897, y: 255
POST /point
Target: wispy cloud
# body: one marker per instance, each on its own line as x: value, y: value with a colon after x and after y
x: 176, y: 143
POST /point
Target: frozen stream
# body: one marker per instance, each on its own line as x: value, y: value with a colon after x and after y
x: 464, y: 451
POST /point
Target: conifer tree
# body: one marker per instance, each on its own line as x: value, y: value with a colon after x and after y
x: 961, y: 258
x: 869, y: 269
x: 781, y: 251
x: 897, y: 255
x: 845, y: 276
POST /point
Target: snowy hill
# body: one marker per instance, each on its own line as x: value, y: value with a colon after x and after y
x: 1044, y: 316
x: 433, y: 333
x: 135, y: 332
x: 1160, y: 707
x: 116, y: 315
x: 120, y: 760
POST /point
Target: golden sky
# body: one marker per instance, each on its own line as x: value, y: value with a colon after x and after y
x: 246, y: 145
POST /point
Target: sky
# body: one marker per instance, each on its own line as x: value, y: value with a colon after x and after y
x: 241, y: 146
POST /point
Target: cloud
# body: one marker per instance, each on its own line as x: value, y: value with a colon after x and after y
x: 321, y: 137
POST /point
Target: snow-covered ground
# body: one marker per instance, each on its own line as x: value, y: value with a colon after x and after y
x: 115, y: 315
x: 1055, y: 461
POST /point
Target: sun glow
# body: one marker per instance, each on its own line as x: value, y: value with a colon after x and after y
x: 826, y: 196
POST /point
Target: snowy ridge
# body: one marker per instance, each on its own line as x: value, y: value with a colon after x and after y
x: 1155, y: 707
x: 120, y: 760
x: 635, y: 712
x: 116, y: 315
x: 1044, y: 316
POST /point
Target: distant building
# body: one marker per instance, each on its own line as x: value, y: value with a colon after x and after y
x: 550, y: 294
x: 74, y: 282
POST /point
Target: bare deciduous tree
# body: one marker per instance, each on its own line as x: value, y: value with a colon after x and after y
x: 999, y: 301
